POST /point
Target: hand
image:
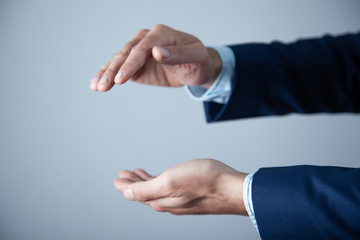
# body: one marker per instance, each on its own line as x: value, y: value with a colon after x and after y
x: 161, y: 56
x: 201, y: 186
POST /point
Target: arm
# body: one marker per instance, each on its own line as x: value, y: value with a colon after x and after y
x: 298, y: 202
x: 307, y: 202
x: 301, y: 202
x: 308, y: 76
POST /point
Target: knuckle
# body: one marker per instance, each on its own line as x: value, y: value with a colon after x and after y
x: 99, y: 73
x: 138, y: 47
x: 170, y: 185
x: 138, y: 170
x: 142, y: 32
x: 159, y: 27
x: 167, y: 183
x: 110, y: 71
x: 124, y: 174
x: 123, y: 53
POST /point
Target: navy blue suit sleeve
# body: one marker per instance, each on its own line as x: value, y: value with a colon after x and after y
x: 307, y: 202
x: 308, y: 76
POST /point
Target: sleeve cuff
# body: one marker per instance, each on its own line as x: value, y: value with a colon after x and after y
x: 247, y: 196
x: 220, y: 91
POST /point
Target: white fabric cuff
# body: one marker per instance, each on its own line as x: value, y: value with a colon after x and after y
x: 220, y: 91
x: 247, y: 196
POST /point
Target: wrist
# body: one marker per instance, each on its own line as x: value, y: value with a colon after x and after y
x: 232, y: 191
x: 216, y: 67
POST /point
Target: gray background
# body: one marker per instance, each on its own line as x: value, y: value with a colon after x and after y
x: 61, y: 145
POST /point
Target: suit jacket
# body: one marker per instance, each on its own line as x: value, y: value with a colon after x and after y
x: 308, y: 76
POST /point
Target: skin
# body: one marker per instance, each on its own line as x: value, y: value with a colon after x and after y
x: 161, y: 56
x: 199, y: 186
x: 166, y: 57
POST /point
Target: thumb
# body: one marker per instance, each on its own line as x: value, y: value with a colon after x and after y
x: 145, y: 191
x: 128, y: 194
x: 195, y: 52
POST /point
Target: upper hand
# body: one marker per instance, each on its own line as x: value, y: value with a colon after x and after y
x: 201, y: 186
x: 161, y: 56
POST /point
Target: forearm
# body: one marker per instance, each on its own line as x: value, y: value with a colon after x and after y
x: 309, y: 76
x: 307, y: 202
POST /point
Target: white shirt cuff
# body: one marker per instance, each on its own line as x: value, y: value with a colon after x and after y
x: 247, y: 196
x: 220, y: 91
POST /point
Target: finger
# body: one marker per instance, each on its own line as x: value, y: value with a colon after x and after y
x: 106, y: 78
x: 124, y: 54
x: 133, y: 63
x: 141, y: 52
x: 149, y: 190
x: 120, y: 57
x: 130, y: 176
x: 121, y: 184
x: 96, y: 79
x: 167, y: 203
x: 195, y: 52
x: 182, y: 206
x: 144, y: 175
x: 106, y: 82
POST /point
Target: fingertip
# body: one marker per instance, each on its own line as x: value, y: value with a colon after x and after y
x: 94, y: 83
x: 120, y: 81
x: 117, y: 80
x: 160, y: 53
x: 93, y: 87
x: 102, y: 88
x: 115, y: 182
x: 118, y: 77
x: 122, y: 184
x: 143, y: 174
x: 128, y: 194
x: 156, y: 53
x: 124, y: 174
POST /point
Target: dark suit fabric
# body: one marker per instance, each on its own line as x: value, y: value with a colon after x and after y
x: 307, y: 202
x: 308, y: 76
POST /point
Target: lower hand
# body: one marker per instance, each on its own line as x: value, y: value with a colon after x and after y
x: 201, y: 186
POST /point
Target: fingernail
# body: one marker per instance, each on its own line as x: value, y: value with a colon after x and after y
x: 104, y: 80
x: 128, y: 194
x: 119, y: 76
x: 164, y: 52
